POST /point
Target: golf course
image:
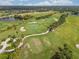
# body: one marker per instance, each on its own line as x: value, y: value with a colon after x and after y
x: 39, y: 35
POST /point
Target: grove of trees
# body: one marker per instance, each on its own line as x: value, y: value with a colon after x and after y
x: 63, y: 53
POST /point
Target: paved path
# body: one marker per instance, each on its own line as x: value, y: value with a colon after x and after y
x: 5, y: 44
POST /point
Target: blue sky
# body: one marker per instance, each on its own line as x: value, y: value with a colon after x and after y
x: 39, y: 2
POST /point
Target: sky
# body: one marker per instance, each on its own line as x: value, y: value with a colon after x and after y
x: 39, y: 2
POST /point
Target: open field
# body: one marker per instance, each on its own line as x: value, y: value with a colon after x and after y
x: 39, y: 44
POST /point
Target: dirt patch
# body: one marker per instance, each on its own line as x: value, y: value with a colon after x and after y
x: 37, y: 45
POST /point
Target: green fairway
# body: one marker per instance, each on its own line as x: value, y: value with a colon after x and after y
x: 40, y: 46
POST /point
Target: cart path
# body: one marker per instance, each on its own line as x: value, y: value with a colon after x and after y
x: 5, y: 44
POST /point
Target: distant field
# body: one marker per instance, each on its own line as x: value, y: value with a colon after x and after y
x: 43, y: 46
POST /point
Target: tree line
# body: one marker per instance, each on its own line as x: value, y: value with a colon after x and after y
x: 61, y: 20
x: 20, y: 17
x: 43, y: 17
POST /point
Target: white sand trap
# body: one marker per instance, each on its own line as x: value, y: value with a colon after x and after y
x: 20, y: 45
x: 14, y: 40
x: 77, y: 45
x: 11, y: 50
x: 4, y: 45
x: 22, y: 29
x: 53, y: 30
x: 28, y: 45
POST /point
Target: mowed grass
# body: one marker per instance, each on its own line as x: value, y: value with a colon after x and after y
x: 47, y: 44
x: 39, y: 27
x: 31, y: 28
x: 43, y: 47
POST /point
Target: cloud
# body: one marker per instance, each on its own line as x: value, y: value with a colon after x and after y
x: 6, y: 2
x: 54, y: 2
x: 21, y: 0
x: 61, y: 2
x: 42, y: 2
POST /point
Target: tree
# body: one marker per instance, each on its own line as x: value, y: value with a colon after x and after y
x: 22, y: 35
x: 75, y: 13
x: 9, y: 56
x: 63, y: 53
x: 13, y: 36
x: 56, y: 56
x: 19, y: 17
x: 67, y: 52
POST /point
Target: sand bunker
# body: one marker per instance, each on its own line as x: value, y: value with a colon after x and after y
x: 22, y: 29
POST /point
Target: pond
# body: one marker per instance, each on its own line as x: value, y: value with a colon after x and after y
x: 7, y: 19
